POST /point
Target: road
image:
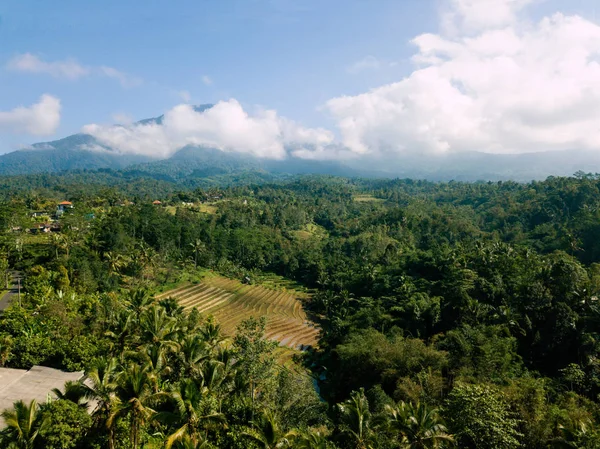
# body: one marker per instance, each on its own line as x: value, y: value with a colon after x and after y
x: 11, y: 295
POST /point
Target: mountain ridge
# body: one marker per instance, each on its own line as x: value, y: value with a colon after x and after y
x: 83, y: 151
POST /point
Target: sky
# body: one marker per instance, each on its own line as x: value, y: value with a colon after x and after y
x: 315, y: 79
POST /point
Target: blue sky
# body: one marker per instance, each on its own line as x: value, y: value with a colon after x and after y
x: 140, y: 59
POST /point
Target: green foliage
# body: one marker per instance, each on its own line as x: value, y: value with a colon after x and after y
x: 479, y: 300
x: 67, y: 425
x: 479, y: 417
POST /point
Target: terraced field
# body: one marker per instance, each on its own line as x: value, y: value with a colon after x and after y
x: 230, y: 301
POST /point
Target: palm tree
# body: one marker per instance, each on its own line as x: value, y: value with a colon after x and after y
x: 188, y: 399
x: 193, y: 350
x: 417, y: 426
x: 133, y: 398
x: 115, y: 263
x: 119, y: 331
x: 101, y: 385
x: 138, y: 300
x: 356, y: 419
x: 23, y: 424
x: 267, y: 434
x: 211, y: 333
x: 74, y: 391
x: 187, y: 443
x: 198, y: 247
x: 310, y: 440
x: 157, y: 327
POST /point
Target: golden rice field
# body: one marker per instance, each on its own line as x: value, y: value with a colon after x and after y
x: 230, y: 302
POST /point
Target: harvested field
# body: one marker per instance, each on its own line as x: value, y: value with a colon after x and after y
x: 230, y: 301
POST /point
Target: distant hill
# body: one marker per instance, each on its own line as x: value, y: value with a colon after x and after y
x: 76, y: 152
x: 84, y: 152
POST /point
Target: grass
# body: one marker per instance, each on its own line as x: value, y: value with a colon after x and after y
x: 365, y: 198
x: 311, y: 230
x: 207, y: 208
x: 230, y: 302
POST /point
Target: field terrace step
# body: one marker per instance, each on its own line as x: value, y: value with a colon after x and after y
x: 191, y: 292
x: 172, y: 293
x: 216, y: 300
x: 257, y: 298
x: 196, y: 297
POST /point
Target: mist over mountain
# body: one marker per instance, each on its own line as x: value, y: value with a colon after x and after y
x: 84, y: 151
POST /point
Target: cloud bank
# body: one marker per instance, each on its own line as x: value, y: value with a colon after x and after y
x: 490, y: 81
x: 68, y: 69
x: 39, y: 119
x: 226, y: 126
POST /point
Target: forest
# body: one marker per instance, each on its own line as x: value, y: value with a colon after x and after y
x: 452, y: 314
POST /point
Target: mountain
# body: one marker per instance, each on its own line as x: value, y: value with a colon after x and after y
x: 79, y: 151
x: 83, y: 151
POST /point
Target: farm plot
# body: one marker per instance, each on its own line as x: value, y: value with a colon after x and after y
x: 230, y: 301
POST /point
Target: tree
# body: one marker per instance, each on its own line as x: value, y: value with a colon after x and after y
x: 254, y: 354
x: 416, y: 426
x: 198, y: 247
x: 266, y: 432
x: 101, y: 386
x: 6, y: 346
x: 66, y: 426
x: 23, y: 425
x: 133, y: 398
x: 192, y: 413
x: 4, y: 269
x: 355, y: 420
x: 75, y: 392
x: 480, y: 418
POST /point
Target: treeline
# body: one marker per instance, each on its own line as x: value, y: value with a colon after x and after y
x: 472, y: 308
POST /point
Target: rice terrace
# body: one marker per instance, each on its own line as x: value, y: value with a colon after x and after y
x: 231, y: 301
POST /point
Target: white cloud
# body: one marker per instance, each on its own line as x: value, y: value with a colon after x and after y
x: 501, y: 85
x: 477, y: 15
x: 68, y: 69
x: 122, y: 118
x: 184, y: 95
x: 207, y: 80
x: 226, y: 126
x: 124, y: 79
x: 369, y: 63
x: 41, y: 118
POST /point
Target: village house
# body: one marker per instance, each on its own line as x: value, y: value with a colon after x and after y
x: 62, y: 207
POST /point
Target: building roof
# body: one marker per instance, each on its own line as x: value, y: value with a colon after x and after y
x: 156, y: 202
x: 65, y: 203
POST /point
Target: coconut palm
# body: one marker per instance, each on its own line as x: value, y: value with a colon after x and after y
x: 157, y: 327
x: 139, y: 300
x: 356, y: 420
x: 189, y: 413
x: 101, y: 385
x: 267, y: 434
x: 193, y: 351
x: 212, y: 334
x: 74, y: 391
x: 23, y: 424
x: 312, y: 439
x: 417, y: 426
x: 198, y: 247
x: 134, y: 397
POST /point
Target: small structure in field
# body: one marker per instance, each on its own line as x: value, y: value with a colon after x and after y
x: 156, y: 203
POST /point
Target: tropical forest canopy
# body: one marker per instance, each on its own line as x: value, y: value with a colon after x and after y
x: 452, y: 314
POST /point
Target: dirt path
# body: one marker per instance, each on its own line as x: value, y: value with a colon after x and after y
x: 11, y: 295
